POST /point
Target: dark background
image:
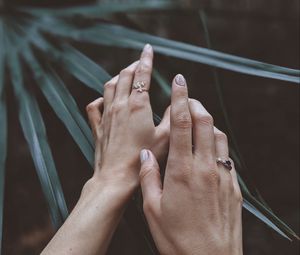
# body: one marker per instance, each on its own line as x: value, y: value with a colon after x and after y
x: 264, y: 114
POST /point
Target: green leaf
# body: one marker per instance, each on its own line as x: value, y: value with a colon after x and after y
x: 162, y: 82
x: 63, y: 104
x: 34, y: 131
x: 271, y: 216
x: 234, y: 151
x: 3, y: 130
x: 247, y: 205
x: 115, y: 35
x: 84, y: 69
x: 103, y: 9
x: 238, y: 156
x: 219, y: 90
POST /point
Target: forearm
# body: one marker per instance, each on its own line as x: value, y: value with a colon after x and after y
x: 93, y: 220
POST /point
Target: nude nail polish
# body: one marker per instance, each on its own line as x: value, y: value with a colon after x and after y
x: 180, y: 80
x: 144, y: 155
x: 147, y: 47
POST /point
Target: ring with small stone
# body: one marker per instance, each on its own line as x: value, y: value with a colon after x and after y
x: 225, y: 162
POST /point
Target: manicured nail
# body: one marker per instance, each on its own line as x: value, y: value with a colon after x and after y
x: 144, y: 155
x: 179, y: 79
x: 147, y: 47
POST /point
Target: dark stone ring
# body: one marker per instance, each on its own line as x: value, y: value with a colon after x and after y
x: 225, y: 162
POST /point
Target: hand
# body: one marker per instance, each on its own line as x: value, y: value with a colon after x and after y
x: 126, y: 126
x: 122, y: 125
x: 197, y: 210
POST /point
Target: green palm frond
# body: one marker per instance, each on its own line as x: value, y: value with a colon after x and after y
x: 3, y: 130
x: 119, y: 36
x: 39, y: 39
x: 63, y: 105
x: 103, y: 9
x: 35, y: 133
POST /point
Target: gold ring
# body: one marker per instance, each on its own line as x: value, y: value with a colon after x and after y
x: 139, y: 86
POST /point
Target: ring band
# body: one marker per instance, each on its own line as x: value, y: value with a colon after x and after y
x: 139, y: 86
x: 225, y: 162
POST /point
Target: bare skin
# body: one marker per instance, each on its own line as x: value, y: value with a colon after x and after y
x: 198, y: 208
x: 196, y: 211
x: 122, y: 125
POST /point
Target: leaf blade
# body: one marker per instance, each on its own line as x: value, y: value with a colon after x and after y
x: 35, y: 134
x: 63, y: 105
x: 118, y: 36
x: 103, y: 9
x: 3, y: 130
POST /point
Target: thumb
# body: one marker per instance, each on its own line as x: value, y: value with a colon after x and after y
x: 150, y: 179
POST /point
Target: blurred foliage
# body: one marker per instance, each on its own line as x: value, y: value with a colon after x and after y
x: 36, y: 39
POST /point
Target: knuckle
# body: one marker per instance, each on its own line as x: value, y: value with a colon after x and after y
x: 204, y: 119
x: 211, y: 177
x: 238, y: 196
x: 147, y: 54
x: 136, y: 103
x: 148, y: 208
x: 227, y: 177
x: 180, y: 174
x: 221, y: 136
x: 164, y: 133
x: 126, y: 72
x: 109, y: 84
x: 145, y: 171
x: 116, y: 107
x: 143, y: 68
x: 182, y: 177
x: 193, y: 100
x: 182, y: 120
x: 90, y: 107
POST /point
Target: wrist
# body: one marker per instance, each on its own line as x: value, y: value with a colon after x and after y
x: 117, y: 189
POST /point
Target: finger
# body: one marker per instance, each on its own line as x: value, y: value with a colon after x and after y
x: 163, y: 129
x: 150, y: 181
x: 226, y: 180
x: 235, y: 180
x: 125, y: 81
x: 143, y: 71
x: 203, y: 131
x: 221, y: 143
x: 181, y: 123
x: 109, y: 91
x: 162, y: 137
x: 94, y: 112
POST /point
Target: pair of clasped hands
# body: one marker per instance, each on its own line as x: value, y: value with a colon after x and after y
x: 197, y: 208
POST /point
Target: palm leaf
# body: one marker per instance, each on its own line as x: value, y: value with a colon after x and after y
x: 34, y: 131
x: 163, y: 83
x: 63, y: 104
x: 252, y: 209
x: 103, y: 9
x: 3, y: 131
x: 236, y: 152
x: 118, y: 36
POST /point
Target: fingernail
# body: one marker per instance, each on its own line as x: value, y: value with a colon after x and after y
x: 179, y: 79
x: 144, y: 155
x: 147, y: 47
